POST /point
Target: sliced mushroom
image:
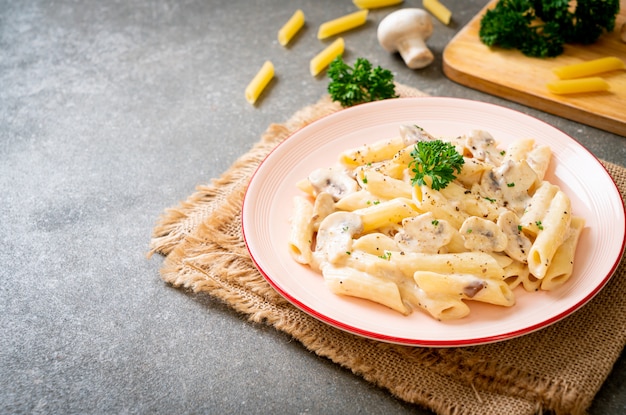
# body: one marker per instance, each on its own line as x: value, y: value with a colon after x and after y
x: 509, y: 184
x: 335, y: 236
x: 411, y: 134
x: 424, y: 233
x: 483, y: 147
x: 518, y: 244
x: 333, y: 180
x: 483, y: 235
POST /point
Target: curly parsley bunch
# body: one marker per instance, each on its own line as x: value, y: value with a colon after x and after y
x: 540, y: 28
x: 361, y: 83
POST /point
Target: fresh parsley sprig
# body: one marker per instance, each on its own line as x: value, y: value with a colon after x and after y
x: 358, y: 84
x: 436, y: 159
x: 540, y: 28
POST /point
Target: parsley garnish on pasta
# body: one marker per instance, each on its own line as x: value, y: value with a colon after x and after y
x: 437, y: 160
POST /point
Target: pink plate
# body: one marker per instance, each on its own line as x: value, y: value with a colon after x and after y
x: 268, y: 204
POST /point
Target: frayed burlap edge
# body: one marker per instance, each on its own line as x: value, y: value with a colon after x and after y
x: 206, y: 253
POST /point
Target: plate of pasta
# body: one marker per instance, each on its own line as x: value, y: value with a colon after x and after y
x: 434, y: 222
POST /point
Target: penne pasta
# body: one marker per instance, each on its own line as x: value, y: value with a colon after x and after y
x: 383, y: 186
x: 372, y: 153
x: 259, y: 82
x: 578, y: 86
x: 499, y: 226
x: 289, y: 29
x: 562, y: 264
x: 326, y: 56
x: 441, y: 12
x: 444, y: 308
x: 376, y: 244
x: 301, y: 235
x: 323, y: 206
x: 477, y: 263
x: 375, y: 4
x: 429, y: 200
x: 552, y: 233
x: 536, y: 208
x: 589, y: 68
x: 342, y: 24
x: 348, y: 281
x: 386, y: 213
x: 517, y: 274
x: 358, y: 200
x: 466, y: 287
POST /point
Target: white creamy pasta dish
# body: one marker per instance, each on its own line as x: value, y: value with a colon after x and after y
x: 418, y: 222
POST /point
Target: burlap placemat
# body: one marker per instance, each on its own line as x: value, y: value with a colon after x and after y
x: 559, y: 368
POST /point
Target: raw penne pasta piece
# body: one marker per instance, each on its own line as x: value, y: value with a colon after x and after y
x: 441, y: 12
x: 289, y: 29
x: 342, y: 24
x: 259, y: 82
x: 326, y: 56
x: 589, y: 68
x: 301, y: 235
x: 578, y: 86
x: 375, y: 4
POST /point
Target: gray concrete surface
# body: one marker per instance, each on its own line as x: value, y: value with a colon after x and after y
x: 111, y: 112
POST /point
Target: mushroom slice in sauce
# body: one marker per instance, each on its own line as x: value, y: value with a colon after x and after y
x: 411, y: 134
x: 424, y: 233
x: 335, y: 236
x: 483, y: 235
x: 509, y: 184
x: 333, y: 180
x: 518, y: 244
x: 483, y: 147
x: 473, y: 287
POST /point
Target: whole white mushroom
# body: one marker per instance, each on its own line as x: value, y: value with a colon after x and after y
x: 406, y: 31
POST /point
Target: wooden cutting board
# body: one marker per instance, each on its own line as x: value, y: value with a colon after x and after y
x: 511, y: 75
